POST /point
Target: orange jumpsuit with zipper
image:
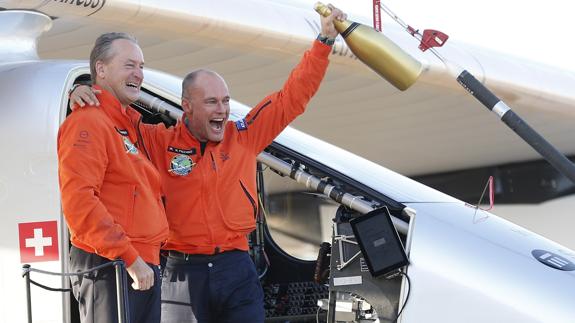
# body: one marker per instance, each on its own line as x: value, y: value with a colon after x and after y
x: 211, y: 198
x: 111, y: 192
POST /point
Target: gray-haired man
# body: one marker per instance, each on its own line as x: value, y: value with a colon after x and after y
x: 111, y: 192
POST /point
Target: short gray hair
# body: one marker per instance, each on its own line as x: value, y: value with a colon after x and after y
x: 102, y: 49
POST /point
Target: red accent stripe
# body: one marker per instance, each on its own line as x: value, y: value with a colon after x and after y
x: 376, y: 15
x: 491, y: 195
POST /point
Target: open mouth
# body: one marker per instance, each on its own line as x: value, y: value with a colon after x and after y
x: 217, y: 124
x: 132, y: 85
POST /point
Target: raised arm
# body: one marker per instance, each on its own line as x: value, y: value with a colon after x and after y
x: 267, y: 119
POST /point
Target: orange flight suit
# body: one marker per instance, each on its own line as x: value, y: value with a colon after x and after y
x: 211, y: 199
x: 111, y: 192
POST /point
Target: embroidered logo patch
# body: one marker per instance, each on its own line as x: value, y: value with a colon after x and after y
x: 241, y: 125
x: 191, y: 151
x: 224, y: 156
x: 129, y: 146
x: 181, y: 165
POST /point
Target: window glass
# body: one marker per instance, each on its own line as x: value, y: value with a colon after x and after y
x: 299, y: 220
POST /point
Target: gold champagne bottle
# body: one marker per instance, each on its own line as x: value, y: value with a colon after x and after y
x: 377, y: 51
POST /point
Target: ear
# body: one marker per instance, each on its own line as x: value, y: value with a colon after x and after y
x: 100, y: 69
x: 187, y: 106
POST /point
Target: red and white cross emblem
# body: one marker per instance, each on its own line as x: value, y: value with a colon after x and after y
x: 38, y: 241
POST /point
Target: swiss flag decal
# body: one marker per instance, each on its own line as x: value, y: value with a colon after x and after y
x: 38, y: 241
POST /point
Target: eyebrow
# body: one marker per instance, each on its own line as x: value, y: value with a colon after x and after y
x: 134, y: 61
x: 215, y: 98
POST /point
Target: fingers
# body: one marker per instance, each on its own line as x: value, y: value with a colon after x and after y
x: 88, y: 97
x: 337, y: 13
x: 78, y: 101
x: 341, y: 16
x: 327, y: 23
x: 85, y: 94
x: 94, y: 97
x: 141, y: 274
x: 144, y: 283
x: 141, y: 284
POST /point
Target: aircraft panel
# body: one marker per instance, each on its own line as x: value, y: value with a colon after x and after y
x: 497, y: 277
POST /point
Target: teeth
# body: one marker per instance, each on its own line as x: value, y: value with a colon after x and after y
x: 132, y: 84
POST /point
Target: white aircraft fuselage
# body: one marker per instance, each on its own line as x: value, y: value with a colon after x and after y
x: 465, y: 264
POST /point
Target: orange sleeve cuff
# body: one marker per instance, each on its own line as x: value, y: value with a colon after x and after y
x: 320, y: 49
x: 129, y: 256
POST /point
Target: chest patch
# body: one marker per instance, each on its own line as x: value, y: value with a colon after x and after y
x: 181, y: 165
x: 191, y: 151
x: 129, y: 146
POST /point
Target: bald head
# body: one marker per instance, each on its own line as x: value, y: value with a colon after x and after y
x: 206, y: 103
x: 191, y: 79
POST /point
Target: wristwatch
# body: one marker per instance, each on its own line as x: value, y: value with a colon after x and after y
x: 326, y: 40
x: 74, y: 87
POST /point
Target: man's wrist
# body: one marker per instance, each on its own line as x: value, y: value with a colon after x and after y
x: 325, y: 39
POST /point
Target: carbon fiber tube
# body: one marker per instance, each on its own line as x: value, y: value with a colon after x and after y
x: 521, y: 128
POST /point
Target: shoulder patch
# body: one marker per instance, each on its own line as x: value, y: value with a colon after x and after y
x: 241, y: 125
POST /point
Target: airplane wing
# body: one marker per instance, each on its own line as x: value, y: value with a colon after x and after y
x: 434, y: 126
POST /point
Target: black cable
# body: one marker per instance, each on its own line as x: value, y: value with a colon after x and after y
x: 404, y: 303
x: 50, y: 288
x: 406, y: 298
x: 28, y: 269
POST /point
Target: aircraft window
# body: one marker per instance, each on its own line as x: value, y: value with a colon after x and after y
x: 299, y: 220
x: 82, y: 79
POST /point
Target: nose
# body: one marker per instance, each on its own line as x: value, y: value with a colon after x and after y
x: 221, y: 107
x: 139, y: 73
